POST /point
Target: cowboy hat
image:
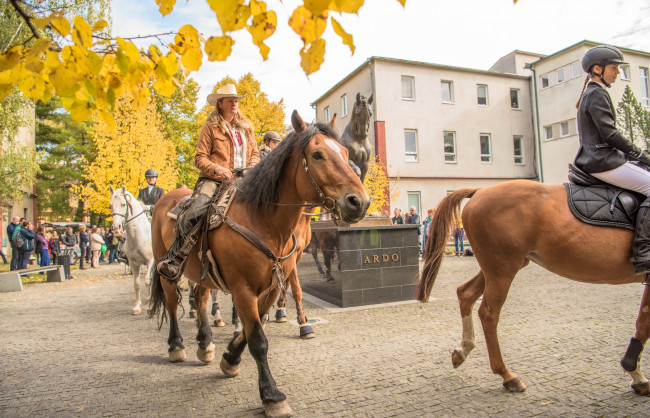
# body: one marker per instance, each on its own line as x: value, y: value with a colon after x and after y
x: 227, y: 90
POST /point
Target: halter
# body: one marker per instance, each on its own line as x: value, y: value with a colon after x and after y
x: 127, y: 199
x: 334, y: 206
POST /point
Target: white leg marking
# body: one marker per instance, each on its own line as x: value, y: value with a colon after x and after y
x: 469, y: 342
x: 637, y: 376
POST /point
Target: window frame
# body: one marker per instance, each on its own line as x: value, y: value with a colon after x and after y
x: 625, y: 69
x: 489, y: 143
x: 478, y: 98
x: 518, y: 98
x: 327, y: 113
x: 543, y: 78
x: 412, y: 82
x: 562, y: 133
x: 645, y: 86
x: 418, y: 197
x: 451, y: 91
x: 548, y: 129
x: 344, y: 105
x: 444, y: 147
x: 415, y: 155
x: 520, y: 139
x: 561, y: 79
x: 576, y: 69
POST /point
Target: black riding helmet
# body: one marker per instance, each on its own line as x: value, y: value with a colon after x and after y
x: 601, y: 55
x: 151, y: 173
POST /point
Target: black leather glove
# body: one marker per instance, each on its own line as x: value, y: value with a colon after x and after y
x: 639, y: 155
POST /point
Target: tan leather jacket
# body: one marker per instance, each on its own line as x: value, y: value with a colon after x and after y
x: 215, y: 149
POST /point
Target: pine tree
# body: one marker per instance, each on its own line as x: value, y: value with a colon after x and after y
x: 633, y: 119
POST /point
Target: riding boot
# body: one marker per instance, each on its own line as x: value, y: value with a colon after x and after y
x: 187, y: 230
x: 641, y: 246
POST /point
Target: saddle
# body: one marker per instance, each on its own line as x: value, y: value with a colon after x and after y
x: 595, y: 202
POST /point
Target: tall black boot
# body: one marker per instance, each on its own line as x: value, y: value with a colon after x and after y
x: 641, y: 247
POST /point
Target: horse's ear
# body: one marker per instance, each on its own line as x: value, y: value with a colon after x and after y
x: 112, y: 190
x: 298, y: 124
x: 124, y: 189
x: 358, y: 96
x: 332, y: 121
x: 370, y: 99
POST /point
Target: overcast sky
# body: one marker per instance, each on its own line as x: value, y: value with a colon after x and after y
x: 464, y: 33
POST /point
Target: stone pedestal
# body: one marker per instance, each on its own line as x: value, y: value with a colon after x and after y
x: 370, y: 264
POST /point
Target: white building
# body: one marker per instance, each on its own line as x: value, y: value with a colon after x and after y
x: 439, y: 128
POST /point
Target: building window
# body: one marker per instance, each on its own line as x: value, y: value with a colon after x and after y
x: 413, y: 199
x: 576, y: 69
x: 560, y: 76
x: 519, y: 149
x: 544, y: 81
x: 486, y: 153
x: 450, y: 147
x: 548, y: 132
x: 482, y: 94
x: 447, y: 91
x: 645, y: 88
x: 410, y: 145
x: 327, y: 114
x: 514, y: 98
x: 564, y: 128
x: 344, y: 106
x: 625, y: 72
x: 408, y: 88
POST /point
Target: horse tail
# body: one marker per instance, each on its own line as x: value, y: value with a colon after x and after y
x: 157, y: 298
x: 437, y: 238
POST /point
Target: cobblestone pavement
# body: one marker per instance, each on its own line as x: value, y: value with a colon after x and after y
x: 74, y: 349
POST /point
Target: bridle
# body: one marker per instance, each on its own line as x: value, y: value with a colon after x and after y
x: 127, y: 199
x: 328, y: 203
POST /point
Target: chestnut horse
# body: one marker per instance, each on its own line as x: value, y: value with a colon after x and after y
x: 511, y: 224
x: 308, y: 167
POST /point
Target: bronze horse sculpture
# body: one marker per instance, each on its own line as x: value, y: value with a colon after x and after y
x: 511, y: 224
x: 355, y: 136
x: 308, y: 167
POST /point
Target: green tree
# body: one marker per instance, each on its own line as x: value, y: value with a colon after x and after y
x: 180, y: 125
x: 633, y: 119
x: 256, y: 106
x: 63, y: 145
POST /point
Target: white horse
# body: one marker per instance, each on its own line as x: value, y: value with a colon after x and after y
x: 129, y: 215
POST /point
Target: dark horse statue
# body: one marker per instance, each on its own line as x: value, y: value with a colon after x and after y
x: 512, y: 224
x: 254, y: 248
x: 355, y: 136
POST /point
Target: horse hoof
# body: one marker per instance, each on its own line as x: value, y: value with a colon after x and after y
x: 137, y: 311
x: 177, y: 355
x: 277, y: 409
x: 219, y: 323
x: 280, y: 316
x: 457, y: 358
x: 306, y: 332
x: 514, y: 385
x: 228, y: 369
x: 642, y: 388
x: 206, y: 355
x: 192, y: 313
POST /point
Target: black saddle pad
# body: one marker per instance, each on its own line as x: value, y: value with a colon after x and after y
x: 604, y: 205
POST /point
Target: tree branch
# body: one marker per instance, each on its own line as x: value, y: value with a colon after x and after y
x: 26, y: 18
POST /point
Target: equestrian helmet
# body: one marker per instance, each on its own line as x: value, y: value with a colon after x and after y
x: 272, y: 135
x: 602, y: 55
x: 151, y: 173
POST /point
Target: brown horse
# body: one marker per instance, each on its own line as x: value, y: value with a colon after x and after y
x: 511, y: 224
x: 308, y: 166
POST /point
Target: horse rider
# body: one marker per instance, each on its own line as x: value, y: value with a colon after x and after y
x: 226, y: 143
x: 271, y: 140
x: 152, y: 193
x: 604, y: 152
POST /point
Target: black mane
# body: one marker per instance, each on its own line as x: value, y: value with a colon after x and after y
x: 261, y: 186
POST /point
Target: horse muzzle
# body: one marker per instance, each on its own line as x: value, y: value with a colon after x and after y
x: 353, y: 207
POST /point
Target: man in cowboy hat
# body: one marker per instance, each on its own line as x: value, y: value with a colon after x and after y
x: 152, y: 193
x: 226, y: 143
x: 271, y: 140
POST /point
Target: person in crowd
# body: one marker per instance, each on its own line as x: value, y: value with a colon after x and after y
x: 152, y: 193
x: 69, y: 240
x: 27, y: 233
x: 4, y: 257
x: 84, y: 243
x: 55, y: 246
x: 425, y: 228
x: 226, y: 143
x: 96, y: 242
x: 397, y: 219
x: 42, y: 246
x: 102, y: 232
x: 111, y: 244
x: 15, y: 221
x: 414, y: 219
x: 605, y: 152
x: 271, y: 140
x: 459, y: 236
x: 88, y: 253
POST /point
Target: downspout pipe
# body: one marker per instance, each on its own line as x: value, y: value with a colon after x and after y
x: 539, y: 137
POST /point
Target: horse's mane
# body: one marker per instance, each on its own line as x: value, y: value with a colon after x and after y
x: 261, y: 186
